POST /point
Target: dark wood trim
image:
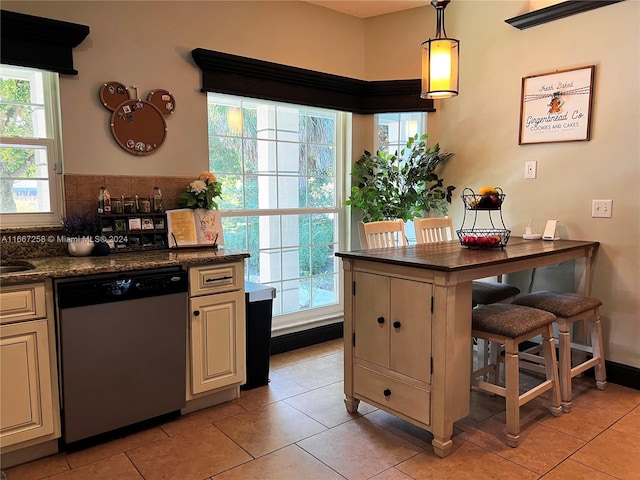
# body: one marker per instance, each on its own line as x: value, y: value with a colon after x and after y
x: 617, y: 373
x: 557, y: 11
x: 306, y: 338
x: 620, y: 374
x: 37, y: 42
x: 235, y: 75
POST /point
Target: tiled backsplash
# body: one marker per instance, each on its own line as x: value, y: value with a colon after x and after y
x: 81, y: 196
x: 81, y: 191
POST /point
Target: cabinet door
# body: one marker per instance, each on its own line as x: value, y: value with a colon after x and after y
x: 26, y: 411
x: 371, y: 317
x: 217, y: 341
x: 410, y: 335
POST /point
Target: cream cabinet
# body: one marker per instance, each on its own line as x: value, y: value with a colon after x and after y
x: 407, y: 344
x: 29, y: 408
x: 216, y: 347
x: 392, y: 343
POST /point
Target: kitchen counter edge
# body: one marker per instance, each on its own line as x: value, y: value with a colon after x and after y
x: 67, y: 266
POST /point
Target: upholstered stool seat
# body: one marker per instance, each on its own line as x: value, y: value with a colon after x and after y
x: 510, y: 325
x: 570, y: 308
x: 485, y: 292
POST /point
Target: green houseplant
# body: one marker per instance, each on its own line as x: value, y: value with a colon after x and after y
x: 388, y: 186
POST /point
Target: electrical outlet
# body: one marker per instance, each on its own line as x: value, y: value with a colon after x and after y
x: 530, y: 168
x: 601, y: 208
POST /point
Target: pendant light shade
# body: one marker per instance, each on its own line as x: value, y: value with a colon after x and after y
x: 440, y: 60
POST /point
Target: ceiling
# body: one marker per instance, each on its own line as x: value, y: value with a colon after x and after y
x: 369, y: 8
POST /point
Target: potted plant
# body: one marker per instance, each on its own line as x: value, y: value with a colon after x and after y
x: 201, y: 193
x: 80, y: 231
x: 388, y: 186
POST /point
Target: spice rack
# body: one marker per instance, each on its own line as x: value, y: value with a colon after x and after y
x: 127, y: 232
x: 479, y: 238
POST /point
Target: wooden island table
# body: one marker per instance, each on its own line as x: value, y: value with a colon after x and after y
x: 407, y: 323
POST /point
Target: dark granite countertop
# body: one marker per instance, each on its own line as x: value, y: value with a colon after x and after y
x: 68, y: 266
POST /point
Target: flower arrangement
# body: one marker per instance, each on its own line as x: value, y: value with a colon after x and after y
x: 81, y: 225
x: 202, y: 192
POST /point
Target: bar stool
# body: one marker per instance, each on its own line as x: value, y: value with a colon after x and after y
x: 484, y: 291
x: 570, y: 308
x: 510, y: 325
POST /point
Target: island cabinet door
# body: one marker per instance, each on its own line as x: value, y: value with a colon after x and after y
x: 217, y: 341
x: 410, y: 333
x: 371, y: 316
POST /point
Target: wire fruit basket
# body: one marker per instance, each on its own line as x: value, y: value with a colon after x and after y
x: 475, y: 201
x: 481, y: 238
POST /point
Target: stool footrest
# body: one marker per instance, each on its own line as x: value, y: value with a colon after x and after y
x: 578, y: 369
x: 534, y: 392
x: 489, y: 387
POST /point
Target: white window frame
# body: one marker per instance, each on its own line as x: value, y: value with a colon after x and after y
x: 285, y: 323
x: 52, y: 144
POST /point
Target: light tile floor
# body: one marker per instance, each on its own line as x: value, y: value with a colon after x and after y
x: 298, y: 428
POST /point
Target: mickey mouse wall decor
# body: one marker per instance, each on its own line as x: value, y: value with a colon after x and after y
x: 138, y: 126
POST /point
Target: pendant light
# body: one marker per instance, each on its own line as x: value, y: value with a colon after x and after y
x: 440, y: 60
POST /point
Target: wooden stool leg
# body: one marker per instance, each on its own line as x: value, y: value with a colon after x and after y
x: 598, y: 351
x: 564, y: 345
x: 551, y: 369
x: 512, y: 387
x: 494, y: 351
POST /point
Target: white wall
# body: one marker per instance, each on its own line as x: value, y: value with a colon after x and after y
x: 482, y: 124
x: 149, y: 43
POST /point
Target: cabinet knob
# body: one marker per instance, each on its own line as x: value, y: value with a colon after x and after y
x: 397, y: 324
x: 196, y: 313
x: 380, y: 320
x: 387, y: 392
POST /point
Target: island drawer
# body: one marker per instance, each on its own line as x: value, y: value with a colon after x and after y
x: 204, y: 280
x: 22, y: 302
x: 401, y: 397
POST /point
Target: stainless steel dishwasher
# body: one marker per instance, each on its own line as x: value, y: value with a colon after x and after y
x: 122, y: 343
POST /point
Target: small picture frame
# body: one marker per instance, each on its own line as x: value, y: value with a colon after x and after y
x: 135, y: 224
x: 556, y: 107
x: 159, y: 223
x: 120, y: 225
x: 147, y: 224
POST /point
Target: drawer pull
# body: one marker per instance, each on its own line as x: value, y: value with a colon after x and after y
x: 380, y: 320
x: 217, y: 279
x: 196, y: 313
x: 387, y: 392
x: 397, y: 324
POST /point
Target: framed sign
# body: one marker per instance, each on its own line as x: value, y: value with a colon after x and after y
x: 556, y: 107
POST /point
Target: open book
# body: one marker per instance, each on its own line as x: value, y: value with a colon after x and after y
x: 189, y: 227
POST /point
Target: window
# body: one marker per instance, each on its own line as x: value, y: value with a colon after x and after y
x: 393, y: 129
x: 29, y: 147
x: 281, y: 167
x: 392, y: 132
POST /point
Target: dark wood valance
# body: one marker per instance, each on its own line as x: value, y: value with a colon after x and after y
x: 556, y: 11
x: 37, y: 42
x: 235, y: 75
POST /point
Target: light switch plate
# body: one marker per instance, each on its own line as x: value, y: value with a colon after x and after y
x: 530, y: 169
x: 601, y: 208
